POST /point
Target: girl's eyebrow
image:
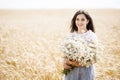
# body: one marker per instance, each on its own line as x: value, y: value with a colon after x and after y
x: 83, y: 18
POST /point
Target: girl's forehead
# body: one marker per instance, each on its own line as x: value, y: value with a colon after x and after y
x: 80, y: 16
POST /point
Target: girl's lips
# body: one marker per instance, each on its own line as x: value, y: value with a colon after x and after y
x: 80, y: 25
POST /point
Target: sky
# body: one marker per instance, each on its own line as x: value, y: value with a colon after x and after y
x: 59, y: 4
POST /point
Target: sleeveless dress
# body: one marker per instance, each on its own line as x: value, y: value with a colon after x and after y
x: 82, y: 73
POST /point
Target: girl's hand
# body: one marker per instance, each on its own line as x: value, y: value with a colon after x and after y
x: 74, y: 63
x: 66, y: 66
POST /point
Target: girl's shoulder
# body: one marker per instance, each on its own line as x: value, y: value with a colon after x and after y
x: 70, y: 35
x: 91, y: 35
x: 88, y: 36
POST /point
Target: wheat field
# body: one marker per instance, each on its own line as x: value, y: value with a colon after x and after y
x: 29, y: 41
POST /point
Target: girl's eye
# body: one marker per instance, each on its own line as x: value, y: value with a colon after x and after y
x: 82, y: 19
x: 77, y: 19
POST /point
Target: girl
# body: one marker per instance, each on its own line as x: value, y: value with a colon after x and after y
x: 81, y: 26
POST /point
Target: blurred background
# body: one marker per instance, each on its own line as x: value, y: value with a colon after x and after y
x: 30, y: 33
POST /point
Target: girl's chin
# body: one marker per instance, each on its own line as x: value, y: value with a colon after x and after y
x: 80, y: 26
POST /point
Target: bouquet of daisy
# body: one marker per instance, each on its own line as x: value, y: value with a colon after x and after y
x: 79, y: 50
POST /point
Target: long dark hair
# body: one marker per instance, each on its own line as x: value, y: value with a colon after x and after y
x: 90, y: 25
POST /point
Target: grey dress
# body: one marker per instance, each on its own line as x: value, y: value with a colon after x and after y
x: 82, y: 73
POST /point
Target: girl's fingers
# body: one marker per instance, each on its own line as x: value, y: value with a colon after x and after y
x: 67, y: 61
x: 74, y: 63
x: 67, y: 66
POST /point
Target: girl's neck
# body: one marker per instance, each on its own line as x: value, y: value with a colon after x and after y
x: 81, y: 31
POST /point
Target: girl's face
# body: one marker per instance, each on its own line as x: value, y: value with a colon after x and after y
x: 81, y: 21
